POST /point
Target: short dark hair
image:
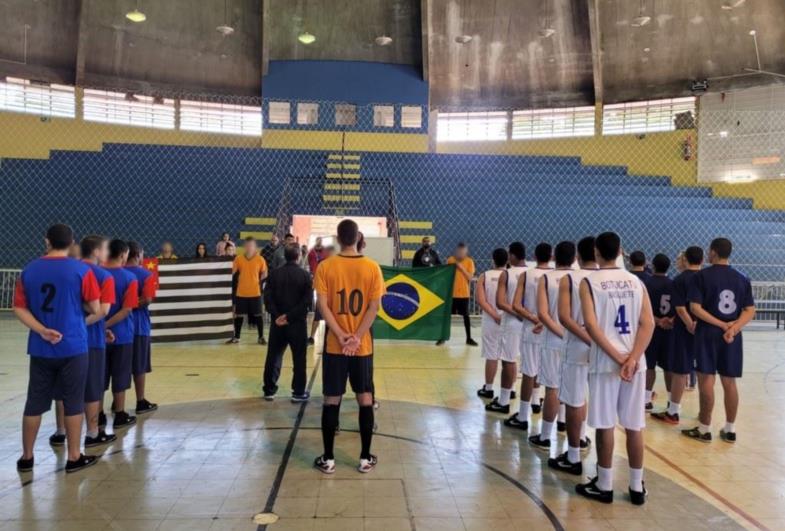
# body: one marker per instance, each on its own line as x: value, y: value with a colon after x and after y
x: 134, y: 250
x: 637, y: 258
x: 722, y: 247
x: 586, y: 249
x: 461, y: 245
x: 291, y: 253
x: 500, y: 257
x: 347, y: 232
x: 694, y: 255
x: 543, y: 252
x: 288, y: 235
x: 250, y: 239
x: 661, y: 263
x: 117, y: 248
x: 518, y: 250
x: 60, y: 236
x: 89, y: 244
x: 564, y: 254
x: 608, y: 245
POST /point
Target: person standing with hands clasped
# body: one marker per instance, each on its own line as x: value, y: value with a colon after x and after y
x: 349, y: 289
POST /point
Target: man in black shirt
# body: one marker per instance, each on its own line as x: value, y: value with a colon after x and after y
x: 287, y: 295
x: 268, y: 251
x: 426, y: 256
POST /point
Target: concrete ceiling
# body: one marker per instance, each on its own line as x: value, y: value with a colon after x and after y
x: 595, y: 52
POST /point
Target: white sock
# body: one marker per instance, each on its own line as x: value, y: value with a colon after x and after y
x: 730, y: 427
x: 704, y: 428
x: 636, y: 479
x: 674, y: 408
x: 524, y: 411
x: 504, y: 396
x: 92, y: 434
x: 546, y: 428
x: 604, y: 478
x: 488, y: 387
x: 535, y: 399
x: 648, y: 396
x: 60, y: 431
x: 583, y: 430
x: 573, y: 454
x: 562, y: 412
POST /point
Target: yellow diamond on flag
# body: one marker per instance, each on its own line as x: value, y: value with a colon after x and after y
x: 406, y: 301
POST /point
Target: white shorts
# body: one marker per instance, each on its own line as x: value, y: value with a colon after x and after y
x: 574, y: 383
x: 550, y: 367
x: 611, y: 398
x: 510, y: 343
x: 530, y: 358
x: 491, y: 341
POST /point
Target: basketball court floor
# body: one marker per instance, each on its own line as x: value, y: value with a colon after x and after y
x: 215, y: 455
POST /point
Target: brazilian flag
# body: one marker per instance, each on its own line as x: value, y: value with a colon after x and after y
x: 417, y: 304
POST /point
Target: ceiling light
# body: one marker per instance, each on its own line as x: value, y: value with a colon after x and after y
x: 136, y: 16
x: 463, y: 39
x: 723, y: 134
x: 547, y: 32
x: 640, y: 21
x: 746, y: 178
x: 383, y: 40
x: 224, y: 30
x: 728, y: 5
x: 646, y: 50
x: 306, y: 38
x: 753, y: 32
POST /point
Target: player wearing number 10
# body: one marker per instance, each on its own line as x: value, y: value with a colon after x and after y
x: 349, y: 288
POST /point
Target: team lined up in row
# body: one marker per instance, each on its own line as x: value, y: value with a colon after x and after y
x: 90, y: 329
x: 599, y: 331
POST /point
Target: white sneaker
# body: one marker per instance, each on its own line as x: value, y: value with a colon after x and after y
x: 366, y: 465
x: 327, y: 466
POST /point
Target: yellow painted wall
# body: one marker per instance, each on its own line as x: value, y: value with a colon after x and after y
x: 334, y: 141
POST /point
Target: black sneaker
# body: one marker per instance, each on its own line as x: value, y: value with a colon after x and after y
x: 562, y: 464
x: 513, y: 422
x: 25, y: 465
x: 471, y: 342
x: 585, y: 444
x: 233, y: 341
x: 261, y: 341
x: 302, y: 397
x: 535, y: 441
x: 440, y: 343
x: 639, y: 498
x: 145, y: 406
x: 666, y: 417
x: 728, y: 436
x: 101, y: 420
x: 485, y: 393
x: 311, y: 341
x: 123, y: 420
x: 496, y: 407
x: 326, y: 466
x: 83, y: 462
x: 57, y: 439
x: 513, y: 396
x: 695, y: 433
x: 649, y: 406
x: 591, y: 491
x: 536, y: 408
x: 101, y: 439
x: 561, y: 427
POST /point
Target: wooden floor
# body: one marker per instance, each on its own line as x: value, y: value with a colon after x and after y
x: 215, y: 455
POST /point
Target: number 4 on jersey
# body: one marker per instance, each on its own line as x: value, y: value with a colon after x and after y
x: 621, y: 323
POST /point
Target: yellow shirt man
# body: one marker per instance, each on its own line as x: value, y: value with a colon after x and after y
x: 460, y: 286
x: 250, y: 270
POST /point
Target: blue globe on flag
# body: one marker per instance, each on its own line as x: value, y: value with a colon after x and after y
x: 401, y: 300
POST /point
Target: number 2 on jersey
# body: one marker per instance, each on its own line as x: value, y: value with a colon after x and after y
x: 621, y: 323
x: 49, y: 290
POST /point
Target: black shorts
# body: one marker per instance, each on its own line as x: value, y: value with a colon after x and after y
x: 337, y: 367
x: 460, y: 306
x: 714, y: 356
x: 119, y: 363
x: 660, y: 348
x: 141, y: 363
x: 251, y: 306
x: 50, y: 376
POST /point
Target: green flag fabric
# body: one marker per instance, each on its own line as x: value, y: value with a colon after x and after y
x: 417, y: 304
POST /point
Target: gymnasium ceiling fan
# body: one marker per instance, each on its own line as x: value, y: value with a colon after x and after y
x: 759, y: 71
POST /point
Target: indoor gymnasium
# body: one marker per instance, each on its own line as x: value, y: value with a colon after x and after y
x: 306, y: 265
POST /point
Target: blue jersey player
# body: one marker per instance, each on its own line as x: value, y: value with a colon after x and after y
x: 660, y: 288
x: 721, y: 300
x: 52, y: 297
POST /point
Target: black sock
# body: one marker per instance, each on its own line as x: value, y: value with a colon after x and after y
x: 366, y: 430
x: 238, y: 326
x: 329, y: 424
x: 467, y: 326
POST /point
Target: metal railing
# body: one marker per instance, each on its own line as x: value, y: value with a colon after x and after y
x: 7, y: 284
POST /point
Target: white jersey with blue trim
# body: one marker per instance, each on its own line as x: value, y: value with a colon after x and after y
x: 618, y: 303
x: 512, y: 282
x: 530, y: 303
x: 552, y: 280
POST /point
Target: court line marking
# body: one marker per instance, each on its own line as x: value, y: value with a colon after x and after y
x: 714, y: 494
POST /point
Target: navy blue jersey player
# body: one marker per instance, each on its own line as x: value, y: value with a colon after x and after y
x: 721, y: 300
x: 660, y: 288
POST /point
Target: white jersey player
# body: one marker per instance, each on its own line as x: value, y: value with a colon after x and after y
x: 525, y: 305
x: 618, y: 317
x: 551, y: 350
x: 487, y: 286
x: 575, y: 362
x: 510, y: 325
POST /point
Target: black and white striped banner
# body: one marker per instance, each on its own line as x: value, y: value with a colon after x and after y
x: 194, y: 300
